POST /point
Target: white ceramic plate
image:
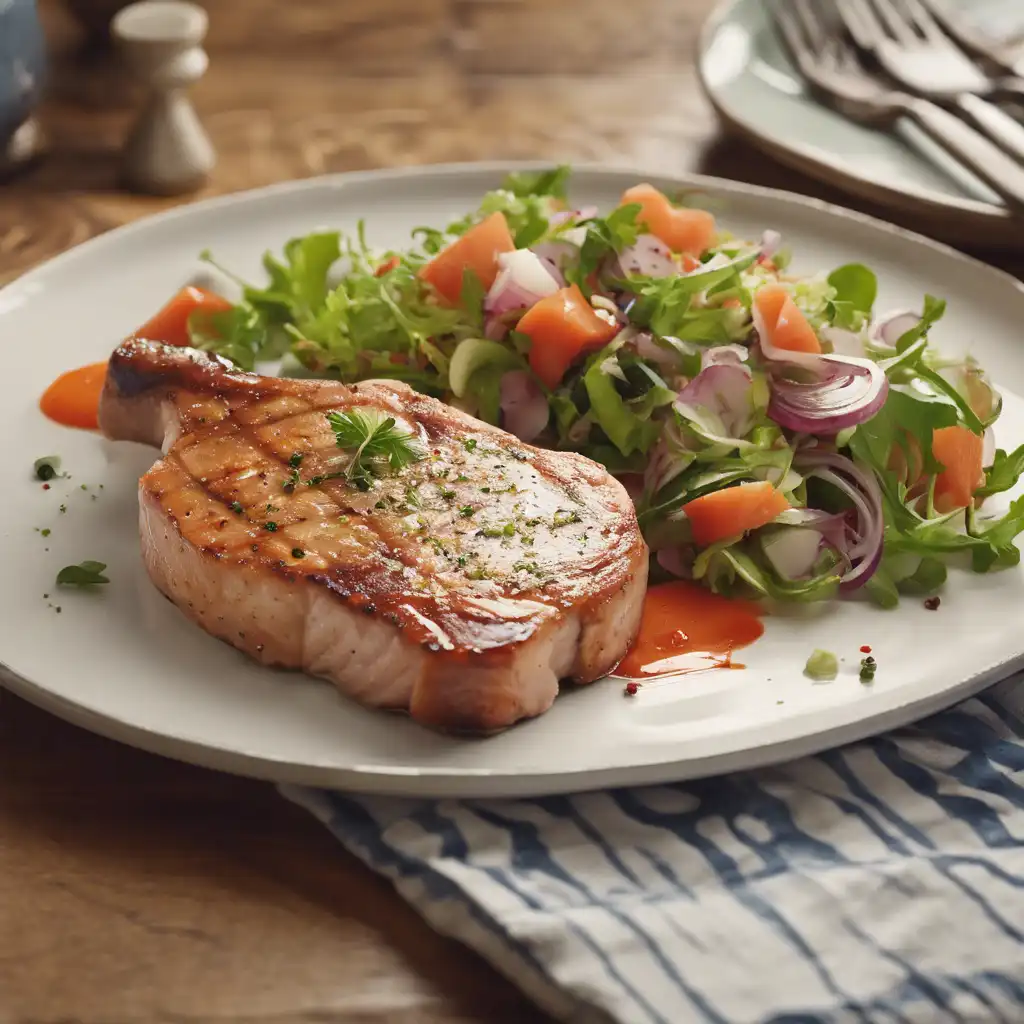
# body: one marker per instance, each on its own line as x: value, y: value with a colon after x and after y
x: 751, y: 82
x: 125, y: 663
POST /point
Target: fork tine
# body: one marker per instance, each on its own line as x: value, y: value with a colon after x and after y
x: 861, y: 22
x: 899, y: 28
x: 813, y: 27
x: 792, y: 34
x: 924, y: 22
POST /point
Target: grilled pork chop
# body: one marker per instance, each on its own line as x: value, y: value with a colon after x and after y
x: 461, y: 588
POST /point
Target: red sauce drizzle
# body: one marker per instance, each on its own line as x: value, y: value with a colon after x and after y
x: 686, y: 628
x: 73, y: 399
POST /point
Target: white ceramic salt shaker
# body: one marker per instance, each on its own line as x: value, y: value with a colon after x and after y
x: 167, y: 151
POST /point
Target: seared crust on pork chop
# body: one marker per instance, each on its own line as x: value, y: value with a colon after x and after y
x: 461, y: 588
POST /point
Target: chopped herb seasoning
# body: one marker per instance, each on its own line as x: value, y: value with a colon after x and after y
x: 63, y: 508
x: 381, y: 504
x: 469, y: 444
x: 298, y: 553
x: 461, y: 478
x: 45, y: 531
x: 236, y: 507
x: 272, y: 508
x: 447, y: 493
x: 563, y: 518
x: 822, y: 665
x: 295, y: 460
x: 867, y: 670
x: 87, y: 574
x: 466, y: 511
x: 932, y: 603
x: 83, y: 487
x: 47, y: 467
x: 485, y: 490
x: 270, y: 527
x: 462, y: 560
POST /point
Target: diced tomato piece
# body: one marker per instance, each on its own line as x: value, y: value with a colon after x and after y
x: 560, y: 327
x: 787, y: 327
x: 477, y: 250
x: 960, y: 452
x: 733, y: 511
x: 387, y: 266
x: 170, y: 324
x: 683, y: 229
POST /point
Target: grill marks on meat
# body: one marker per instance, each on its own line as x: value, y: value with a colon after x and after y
x: 461, y: 588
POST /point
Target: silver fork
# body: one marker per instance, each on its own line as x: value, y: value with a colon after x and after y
x: 835, y: 74
x: 1007, y: 59
x: 912, y: 48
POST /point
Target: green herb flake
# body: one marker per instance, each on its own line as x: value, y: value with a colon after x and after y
x: 236, y: 507
x: 45, y: 532
x: 298, y: 553
x: 563, y: 518
x: 295, y: 460
x: 867, y: 669
x: 822, y: 665
x: 466, y: 511
x: 469, y: 444
x: 85, y: 574
x: 447, y: 493
x: 270, y: 527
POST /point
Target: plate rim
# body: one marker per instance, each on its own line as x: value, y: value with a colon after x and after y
x: 967, y: 221
x: 465, y: 782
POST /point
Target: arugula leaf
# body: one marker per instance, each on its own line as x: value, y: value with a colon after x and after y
x: 663, y: 303
x: 1004, y: 472
x: 86, y: 574
x: 373, y: 439
x: 554, y: 182
x: 881, y: 589
x: 605, y: 236
x: 855, y: 284
x: 722, y: 563
x: 929, y: 576
x: 933, y: 311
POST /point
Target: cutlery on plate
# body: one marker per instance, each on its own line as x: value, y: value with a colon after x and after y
x: 912, y: 48
x: 834, y: 72
x: 1004, y: 57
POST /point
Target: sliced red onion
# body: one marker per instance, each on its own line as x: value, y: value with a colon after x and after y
x: 793, y: 552
x: 723, y: 391
x: 557, y: 254
x: 672, y: 561
x: 889, y: 328
x: 523, y: 280
x: 610, y: 368
x: 843, y: 342
x: 524, y: 409
x: 647, y: 348
x: 851, y: 394
x: 724, y: 355
x: 770, y: 242
x: 832, y: 526
x: 666, y: 460
x: 842, y: 391
x: 865, y: 552
x: 583, y: 213
x: 648, y: 256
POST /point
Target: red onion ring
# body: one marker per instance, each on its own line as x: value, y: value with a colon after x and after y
x: 888, y: 329
x: 524, y: 409
x: 863, y: 491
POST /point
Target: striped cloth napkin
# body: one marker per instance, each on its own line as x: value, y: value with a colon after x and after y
x: 883, y: 882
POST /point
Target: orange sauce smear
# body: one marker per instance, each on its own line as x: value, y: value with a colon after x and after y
x: 685, y: 628
x: 73, y: 399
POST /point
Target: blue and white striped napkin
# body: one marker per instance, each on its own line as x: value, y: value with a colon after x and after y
x: 883, y: 882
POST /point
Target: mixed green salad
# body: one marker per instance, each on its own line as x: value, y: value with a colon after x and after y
x: 776, y: 435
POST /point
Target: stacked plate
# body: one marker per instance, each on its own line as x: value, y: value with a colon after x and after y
x: 761, y: 97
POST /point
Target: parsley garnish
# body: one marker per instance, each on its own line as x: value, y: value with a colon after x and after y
x: 375, y: 440
x: 466, y: 511
x: 86, y: 574
x: 236, y: 507
x: 469, y: 444
x: 270, y: 527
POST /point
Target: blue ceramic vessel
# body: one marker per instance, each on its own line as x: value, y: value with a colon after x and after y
x: 22, y: 64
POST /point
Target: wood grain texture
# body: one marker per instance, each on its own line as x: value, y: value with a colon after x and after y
x: 135, y: 889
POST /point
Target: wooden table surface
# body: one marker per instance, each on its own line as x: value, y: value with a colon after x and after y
x: 135, y: 889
